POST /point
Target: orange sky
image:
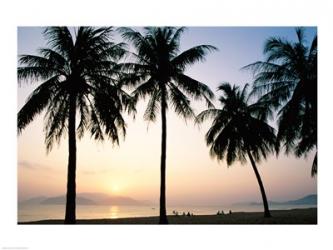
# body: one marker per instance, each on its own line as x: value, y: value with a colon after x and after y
x: 133, y: 168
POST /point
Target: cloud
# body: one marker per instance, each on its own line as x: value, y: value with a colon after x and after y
x: 88, y: 172
x: 26, y: 164
x: 93, y: 172
x: 108, y: 170
x: 34, y: 166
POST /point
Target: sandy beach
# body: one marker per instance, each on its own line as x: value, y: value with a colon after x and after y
x: 293, y: 216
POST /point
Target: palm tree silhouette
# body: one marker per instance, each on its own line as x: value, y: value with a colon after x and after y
x: 239, y: 130
x: 287, y: 80
x: 158, y: 72
x: 77, y: 74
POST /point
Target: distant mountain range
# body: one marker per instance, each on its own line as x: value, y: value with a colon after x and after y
x: 306, y: 200
x: 86, y: 199
x: 108, y: 200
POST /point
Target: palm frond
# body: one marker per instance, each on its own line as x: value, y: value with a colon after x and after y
x: 56, y: 118
x: 175, y: 40
x: 208, y: 114
x: 300, y: 32
x: 192, y: 55
x: 53, y: 58
x: 194, y: 88
x: 84, y: 116
x: 35, y: 73
x: 153, y: 106
x: 145, y: 88
x: 60, y: 39
x: 180, y: 102
x: 36, y: 102
x: 278, y: 49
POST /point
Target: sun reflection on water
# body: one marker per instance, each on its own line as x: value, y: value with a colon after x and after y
x: 114, y: 210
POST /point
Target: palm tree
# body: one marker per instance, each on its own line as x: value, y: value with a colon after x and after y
x: 287, y: 80
x: 77, y: 75
x: 158, y: 72
x: 239, y: 130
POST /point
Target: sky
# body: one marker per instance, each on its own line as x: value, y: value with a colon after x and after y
x: 132, y: 169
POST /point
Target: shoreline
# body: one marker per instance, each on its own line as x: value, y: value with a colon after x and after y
x: 292, y: 216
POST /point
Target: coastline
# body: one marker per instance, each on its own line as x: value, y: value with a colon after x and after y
x: 292, y: 216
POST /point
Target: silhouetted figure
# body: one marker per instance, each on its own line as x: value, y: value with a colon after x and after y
x: 230, y: 212
x: 220, y: 213
x: 188, y: 214
x: 184, y: 214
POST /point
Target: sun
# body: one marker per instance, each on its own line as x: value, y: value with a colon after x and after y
x: 115, y: 188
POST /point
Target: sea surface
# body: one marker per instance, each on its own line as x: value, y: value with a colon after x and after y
x: 44, y: 212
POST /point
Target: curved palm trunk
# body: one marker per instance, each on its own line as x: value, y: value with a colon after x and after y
x: 261, y: 185
x: 163, y: 217
x: 70, y: 217
x: 314, y: 166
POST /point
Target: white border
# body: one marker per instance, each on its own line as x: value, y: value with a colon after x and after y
x: 172, y: 12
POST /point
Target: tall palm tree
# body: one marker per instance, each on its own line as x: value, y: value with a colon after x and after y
x: 158, y: 72
x: 78, y: 81
x: 239, y: 130
x: 287, y: 80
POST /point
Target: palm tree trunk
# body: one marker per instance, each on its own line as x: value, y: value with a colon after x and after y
x: 70, y: 217
x: 261, y: 185
x: 314, y: 166
x: 163, y: 217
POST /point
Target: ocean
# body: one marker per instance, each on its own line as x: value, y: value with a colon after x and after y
x: 44, y: 212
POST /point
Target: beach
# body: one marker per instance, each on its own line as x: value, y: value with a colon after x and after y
x: 292, y: 216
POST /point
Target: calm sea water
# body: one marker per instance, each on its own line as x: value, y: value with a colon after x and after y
x: 43, y: 212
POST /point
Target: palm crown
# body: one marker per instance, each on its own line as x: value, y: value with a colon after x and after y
x: 160, y: 69
x: 84, y: 68
x: 238, y: 127
x: 287, y: 80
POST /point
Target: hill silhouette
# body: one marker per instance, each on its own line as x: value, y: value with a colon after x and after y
x: 310, y: 199
x: 86, y: 199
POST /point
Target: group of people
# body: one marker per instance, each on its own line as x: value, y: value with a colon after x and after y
x: 176, y: 213
x: 222, y: 212
x: 183, y: 214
